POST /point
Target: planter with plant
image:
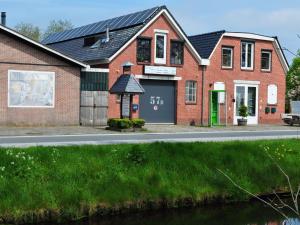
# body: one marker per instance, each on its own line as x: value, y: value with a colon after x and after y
x: 243, y: 112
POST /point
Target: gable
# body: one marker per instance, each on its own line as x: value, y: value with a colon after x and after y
x: 34, y: 46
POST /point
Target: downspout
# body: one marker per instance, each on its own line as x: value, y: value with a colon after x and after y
x: 203, y: 94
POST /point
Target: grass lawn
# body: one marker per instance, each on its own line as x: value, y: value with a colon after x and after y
x: 70, y: 180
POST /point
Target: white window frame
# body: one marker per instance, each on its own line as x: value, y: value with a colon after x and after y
x: 231, y: 58
x: 270, y: 60
x: 164, y: 59
x: 187, y: 91
x: 270, y: 99
x: 28, y: 106
x: 247, y: 67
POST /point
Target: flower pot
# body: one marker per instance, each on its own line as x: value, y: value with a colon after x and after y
x: 242, y: 122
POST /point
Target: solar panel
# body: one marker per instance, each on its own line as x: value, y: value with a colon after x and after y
x: 94, y: 28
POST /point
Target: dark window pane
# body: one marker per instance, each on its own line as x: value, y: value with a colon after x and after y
x: 252, y: 101
x: 265, y: 60
x: 227, y: 57
x: 144, y: 50
x: 243, y: 54
x: 249, y: 55
x: 160, y: 46
x: 177, y: 52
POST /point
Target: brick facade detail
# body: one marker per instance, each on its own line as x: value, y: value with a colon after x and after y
x: 214, y: 73
x: 18, y: 55
x: 189, y: 71
x: 276, y: 76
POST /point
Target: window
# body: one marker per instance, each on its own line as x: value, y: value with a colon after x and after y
x: 177, y: 52
x: 190, y: 91
x: 266, y: 60
x: 89, y: 41
x: 160, y: 48
x: 227, y: 57
x: 247, y: 55
x: 272, y: 94
x: 31, y: 89
x: 144, y: 50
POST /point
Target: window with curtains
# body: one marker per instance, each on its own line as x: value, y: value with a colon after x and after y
x: 191, y: 91
x: 144, y: 50
x: 177, y: 52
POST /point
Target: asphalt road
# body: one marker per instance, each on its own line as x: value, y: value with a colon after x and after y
x: 56, y: 140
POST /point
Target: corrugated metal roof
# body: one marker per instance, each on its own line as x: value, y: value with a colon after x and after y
x: 205, y: 43
x: 116, y: 23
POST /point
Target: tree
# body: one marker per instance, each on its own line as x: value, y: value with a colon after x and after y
x: 29, y: 30
x: 57, y: 26
x: 293, y: 81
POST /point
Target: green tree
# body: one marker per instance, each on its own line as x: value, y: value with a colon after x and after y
x: 293, y: 81
x: 29, y: 30
x: 58, y: 26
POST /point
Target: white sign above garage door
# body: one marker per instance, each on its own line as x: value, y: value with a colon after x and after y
x: 161, y: 70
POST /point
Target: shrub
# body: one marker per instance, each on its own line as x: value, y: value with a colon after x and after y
x: 243, y: 110
x: 120, y: 123
x: 125, y: 123
x: 138, y: 123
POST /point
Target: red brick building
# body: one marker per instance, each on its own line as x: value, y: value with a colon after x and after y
x: 39, y: 86
x: 180, y: 73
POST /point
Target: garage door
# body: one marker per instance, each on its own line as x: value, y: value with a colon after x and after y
x: 157, y: 105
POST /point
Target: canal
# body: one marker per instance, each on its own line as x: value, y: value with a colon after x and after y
x: 252, y: 213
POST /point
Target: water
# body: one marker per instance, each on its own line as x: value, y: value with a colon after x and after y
x: 238, y: 214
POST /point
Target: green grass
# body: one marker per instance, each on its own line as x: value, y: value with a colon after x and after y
x: 67, y: 178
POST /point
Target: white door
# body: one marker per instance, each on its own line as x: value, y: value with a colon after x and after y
x: 246, y: 94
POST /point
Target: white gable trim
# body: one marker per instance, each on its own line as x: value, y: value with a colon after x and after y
x: 42, y: 46
x: 248, y: 36
x: 174, y: 25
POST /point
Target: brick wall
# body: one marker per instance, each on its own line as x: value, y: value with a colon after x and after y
x: 214, y: 73
x: 189, y: 71
x: 17, y: 55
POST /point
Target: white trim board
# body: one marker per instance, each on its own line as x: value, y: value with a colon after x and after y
x: 155, y: 77
x: 251, y: 82
x: 99, y: 70
x: 42, y: 46
x: 173, y: 24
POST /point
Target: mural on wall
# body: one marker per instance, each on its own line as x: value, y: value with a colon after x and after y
x: 31, y: 89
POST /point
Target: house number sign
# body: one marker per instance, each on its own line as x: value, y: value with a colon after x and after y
x: 156, y: 101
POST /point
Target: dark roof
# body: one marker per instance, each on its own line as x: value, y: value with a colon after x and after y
x: 127, y: 84
x: 116, y: 23
x: 75, y: 47
x: 205, y: 43
x: 121, y: 30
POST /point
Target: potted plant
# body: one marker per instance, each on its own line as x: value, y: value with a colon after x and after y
x: 243, y: 111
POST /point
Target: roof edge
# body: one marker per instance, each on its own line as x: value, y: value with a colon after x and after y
x: 29, y: 40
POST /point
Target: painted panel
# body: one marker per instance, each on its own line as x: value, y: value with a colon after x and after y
x: 31, y: 89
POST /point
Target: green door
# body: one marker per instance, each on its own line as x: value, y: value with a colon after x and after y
x: 214, y: 108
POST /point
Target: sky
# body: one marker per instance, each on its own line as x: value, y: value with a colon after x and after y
x: 269, y: 17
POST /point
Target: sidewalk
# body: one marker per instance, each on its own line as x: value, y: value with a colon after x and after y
x: 78, y: 130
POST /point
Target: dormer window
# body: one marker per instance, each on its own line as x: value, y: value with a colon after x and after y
x: 90, y: 41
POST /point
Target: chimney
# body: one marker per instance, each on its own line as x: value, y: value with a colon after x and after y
x: 107, y: 33
x: 3, y: 18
